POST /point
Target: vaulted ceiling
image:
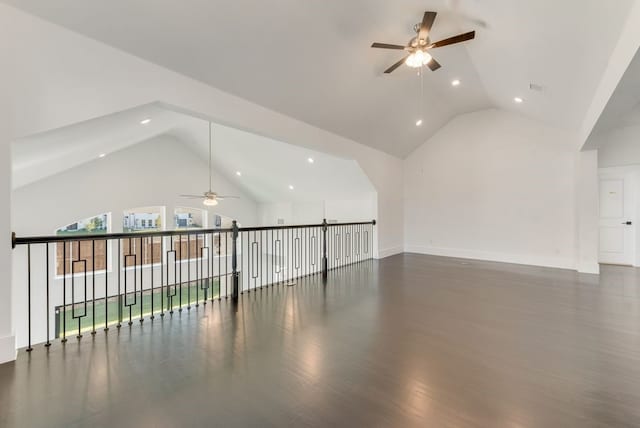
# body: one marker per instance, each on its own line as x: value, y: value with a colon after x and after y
x: 267, y: 167
x: 622, y: 109
x: 311, y: 59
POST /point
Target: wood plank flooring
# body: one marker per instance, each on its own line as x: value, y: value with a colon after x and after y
x: 410, y: 340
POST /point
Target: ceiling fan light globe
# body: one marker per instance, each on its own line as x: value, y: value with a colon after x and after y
x: 210, y: 202
x: 418, y: 59
x: 411, y: 61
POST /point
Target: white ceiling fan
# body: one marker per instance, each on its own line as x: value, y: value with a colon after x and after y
x: 209, y: 198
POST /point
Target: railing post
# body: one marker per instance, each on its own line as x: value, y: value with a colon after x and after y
x: 234, y: 260
x: 325, y: 262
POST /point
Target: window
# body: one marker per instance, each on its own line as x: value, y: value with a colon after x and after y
x: 83, y: 256
x: 222, y: 243
x: 143, y: 250
x: 190, y: 218
x: 189, y: 246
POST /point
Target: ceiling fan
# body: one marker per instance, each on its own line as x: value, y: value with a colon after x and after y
x: 419, y: 46
x: 209, y: 198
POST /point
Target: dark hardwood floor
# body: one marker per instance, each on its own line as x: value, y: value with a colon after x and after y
x: 407, y: 341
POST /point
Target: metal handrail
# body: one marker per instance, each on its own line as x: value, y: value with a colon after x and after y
x: 260, y: 256
x: 23, y: 240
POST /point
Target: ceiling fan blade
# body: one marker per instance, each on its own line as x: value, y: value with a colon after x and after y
x: 227, y: 197
x: 396, y: 65
x: 433, y: 64
x: 426, y: 24
x: 452, y: 40
x: 193, y: 196
x: 388, y: 46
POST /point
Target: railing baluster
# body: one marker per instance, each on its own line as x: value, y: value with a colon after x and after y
x: 234, y: 260
x: 218, y: 252
x: 152, y: 316
x: 226, y: 267
x: 48, y: 342
x: 181, y: 265
x: 189, y: 272
x: 73, y: 300
x: 64, y: 292
x: 264, y: 256
x: 173, y: 284
x: 120, y: 273
x: 29, y: 348
x: 142, y: 245
x: 106, y: 285
x: 162, y: 256
x: 93, y: 290
x: 196, y: 281
x: 212, y: 277
x: 324, y: 250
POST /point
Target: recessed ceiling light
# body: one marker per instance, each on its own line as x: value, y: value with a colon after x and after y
x: 310, y: 160
x: 145, y: 121
x: 419, y: 122
x: 518, y: 100
x: 455, y: 82
x: 101, y: 155
x: 238, y: 173
x: 290, y: 187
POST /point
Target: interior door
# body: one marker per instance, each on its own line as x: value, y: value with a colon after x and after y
x: 617, y: 229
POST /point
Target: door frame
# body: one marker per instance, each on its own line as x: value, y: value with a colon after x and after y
x: 632, y: 173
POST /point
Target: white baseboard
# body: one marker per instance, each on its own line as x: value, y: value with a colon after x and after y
x: 584, y: 267
x: 8, y: 350
x: 390, y: 251
x: 492, y: 256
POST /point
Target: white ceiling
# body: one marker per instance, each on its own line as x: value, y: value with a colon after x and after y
x: 622, y: 109
x: 312, y: 61
x: 267, y: 166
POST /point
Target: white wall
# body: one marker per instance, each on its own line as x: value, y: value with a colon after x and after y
x: 7, y: 339
x: 125, y: 179
x: 587, y: 212
x: 618, y: 147
x: 152, y: 173
x: 313, y: 212
x: 86, y: 79
x: 494, y: 185
x: 53, y: 77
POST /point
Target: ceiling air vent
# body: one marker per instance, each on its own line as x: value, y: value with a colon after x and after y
x: 536, y: 87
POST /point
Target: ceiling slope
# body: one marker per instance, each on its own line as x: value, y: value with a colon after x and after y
x: 312, y: 60
x: 267, y: 167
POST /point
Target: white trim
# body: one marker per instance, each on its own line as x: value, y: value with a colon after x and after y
x: 492, y: 256
x: 386, y: 252
x: 592, y: 267
x: 8, y: 351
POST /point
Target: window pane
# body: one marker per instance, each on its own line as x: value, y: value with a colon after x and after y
x: 78, y: 256
x: 143, y: 250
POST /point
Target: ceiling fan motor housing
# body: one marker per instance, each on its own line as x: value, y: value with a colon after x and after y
x: 417, y: 55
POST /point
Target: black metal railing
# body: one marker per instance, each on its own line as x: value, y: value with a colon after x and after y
x: 80, y: 284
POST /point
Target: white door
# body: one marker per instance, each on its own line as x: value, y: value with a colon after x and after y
x: 617, y: 231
